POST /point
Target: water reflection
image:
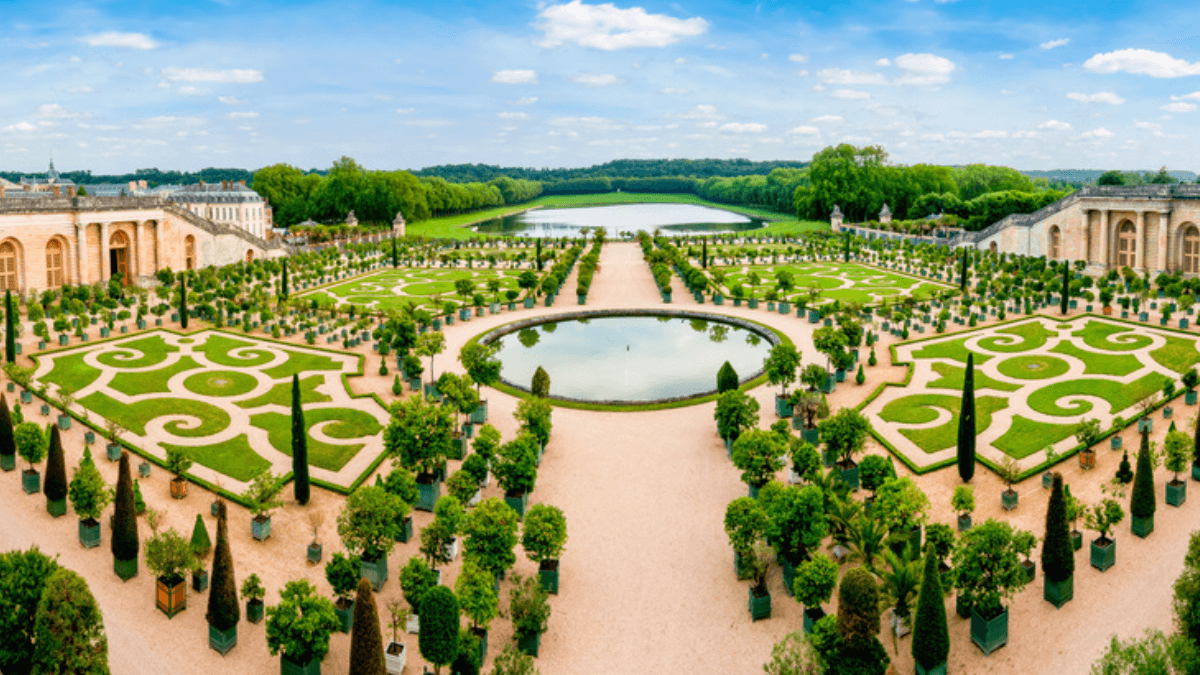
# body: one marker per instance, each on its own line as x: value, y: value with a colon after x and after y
x: 671, y: 219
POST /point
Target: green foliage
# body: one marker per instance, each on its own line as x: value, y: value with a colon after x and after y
x: 540, y: 387
x: 401, y: 483
x: 436, y: 537
x: 69, y: 629
x: 125, y: 532
x: 200, y: 542
x: 343, y: 573
x: 1142, y: 503
x: 1152, y: 654
x: 805, y: 460
x: 366, y: 639
x: 262, y: 495
x: 745, y: 523
x: 963, y: 500
x: 415, y: 580
x: 438, y: 639
x: 179, y: 460
x: 1177, y: 449
x: 544, y: 533
x: 223, y: 610
x: 873, y: 470
x: 252, y: 588
x: 1124, y: 474
x: 515, y: 465
x: 528, y: 605
x: 727, y: 378
x: 169, y: 555
x: 480, y: 362
x: 1058, y: 554
x: 476, y: 595
x: 931, y: 636
x: 794, y: 655
x: 299, y: 446
x: 844, y: 433
x: 735, y: 413
x: 781, y: 364
x: 815, y: 580
x: 795, y: 519
x: 31, y: 443
x: 987, y: 567
x: 301, y: 624
x: 491, y: 535
x: 419, y: 433
x: 858, y: 607
x: 55, y: 484
x: 23, y: 577
x: 371, y: 521
x: 966, y: 421
x: 88, y: 492
x: 512, y: 661
x: 487, y: 442
x: 756, y: 453
x: 900, y: 505
x: 8, y: 446
x: 533, y: 414
x: 1185, y: 602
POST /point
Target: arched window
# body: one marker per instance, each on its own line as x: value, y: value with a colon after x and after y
x: 1127, y: 245
x: 1055, y: 242
x: 54, y: 264
x: 8, y: 267
x: 992, y: 247
x: 189, y: 252
x: 250, y: 255
x: 1191, y: 250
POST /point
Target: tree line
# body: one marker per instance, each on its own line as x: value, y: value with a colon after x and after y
x: 153, y: 177
x: 620, y: 168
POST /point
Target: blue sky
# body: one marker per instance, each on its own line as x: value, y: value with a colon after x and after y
x: 115, y: 86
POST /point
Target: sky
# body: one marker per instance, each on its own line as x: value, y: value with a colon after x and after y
x: 115, y: 86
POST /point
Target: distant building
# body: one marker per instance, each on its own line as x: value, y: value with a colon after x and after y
x: 53, y: 185
x: 226, y: 203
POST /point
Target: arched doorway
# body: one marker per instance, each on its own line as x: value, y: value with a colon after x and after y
x: 249, y: 256
x: 1191, y: 250
x: 54, y: 264
x: 118, y: 256
x: 189, y: 252
x: 1055, y: 242
x: 1127, y: 245
x: 992, y: 247
x: 8, y: 267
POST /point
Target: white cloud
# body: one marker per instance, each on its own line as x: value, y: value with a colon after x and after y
x: 1141, y: 62
x: 230, y: 100
x: 189, y: 90
x: 1006, y: 57
x: 80, y: 90
x: 429, y: 124
x: 827, y: 118
x: 798, y: 58
x: 674, y: 90
x: 848, y: 94
x: 1026, y: 134
x: 405, y: 111
x: 515, y: 76
x: 701, y: 112
x: 805, y: 130
x: 1055, y: 125
x: 123, y: 40
x: 589, y: 80
x: 54, y: 111
x: 241, y: 115
x: 609, y: 28
x: 1179, y: 107
x: 1100, y: 97
x: 212, y: 75
x: 19, y: 126
x: 1153, y: 127
x: 512, y: 115
x: 884, y: 62
x: 743, y: 128
x: 1061, y: 42
x: 1097, y: 133
x: 382, y: 97
x: 1194, y: 96
x: 679, y: 61
x: 924, y: 69
x: 990, y: 133
x: 525, y: 100
x: 849, y: 77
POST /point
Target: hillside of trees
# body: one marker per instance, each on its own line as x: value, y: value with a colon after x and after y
x: 1079, y: 177
x: 153, y: 177
x: 620, y: 168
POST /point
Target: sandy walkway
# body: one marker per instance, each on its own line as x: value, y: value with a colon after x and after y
x: 647, y: 583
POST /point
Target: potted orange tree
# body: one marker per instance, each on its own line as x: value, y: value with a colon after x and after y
x: 1178, y: 450
x: 253, y: 593
x: 987, y: 572
x: 262, y: 496
x: 179, y: 460
x: 169, y: 556
x: 31, y: 446
x: 343, y: 572
x: 543, y: 538
x: 89, y: 496
x: 529, y: 608
x: 1103, y: 517
x: 813, y: 586
x: 368, y: 526
x: 299, y: 628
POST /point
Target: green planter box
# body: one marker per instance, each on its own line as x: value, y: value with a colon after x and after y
x: 785, y: 307
x: 989, y: 634
x: 529, y: 302
x: 760, y: 605
x: 480, y: 414
x: 31, y: 481
x: 1195, y: 471
x: 56, y: 507
x: 1104, y: 557
x: 1076, y: 540
x: 126, y: 569
x: 8, y: 462
x: 1142, y: 527
x: 529, y: 643
x: 548, y: 576
x: 1058, y: 593
x: 1115, y: 442
x: 811, y: 616
x: 850, y: 477
x: 345, y: 616
x: 375, y: 572
x: 428, y: 494
x: 290, y: 667
x: 457, y: 446
x: 1048, y: 479
x: 200, y: 581
x: 1190, y: 397
x: 1176, y: 493
x: 518, y: 502
x: 313, y: 553
x: 752, y: 303
x: 783, y: 406
x: 222, y: 641
x: 961, y: 607
x: 550, y: 300
x: 89, y: 533
x: 260, y: 528
x: 254, y: 611
x: 1008, y: 499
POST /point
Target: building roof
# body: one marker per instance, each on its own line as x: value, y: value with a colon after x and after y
x: 213, y: 193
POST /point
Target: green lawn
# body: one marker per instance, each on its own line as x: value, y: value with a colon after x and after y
x: 301, y: 362
x: 151, y: 382
x: 1100, y: 364
x: 217, y: 347
x: 220, y: 383
x: 1026, y: 437
x: 1119, y: 396
x: 135, y: 416
x: 70, y: 373
x: 234, y: 458
x: 918, y: 409
x: 949, y: 349
x: 281, y: 394
x: 1032, y: 333
x: 1177, y: 354
x: 1096, y: 335
x: 952, y: 377
x: 154, y: 351
x: 349, y: 424
x: 1033, y: 367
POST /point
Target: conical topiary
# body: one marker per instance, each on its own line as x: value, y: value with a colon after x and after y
x: 283, y: 281
x: 931, y: 636
x: 183, y: 311
x: 201, y: 544
x: 1058, y: 555
x: 540, y: 386
x: 55, y: 486
x: 727, y: 380
x: 223, y: 610
x: 366, y: 640
x: 1124, y: 470
x: 125, y: 533
x: 966, y: 424
x: 8, y: 446
x: 1142, y: 503
x: 10, y: 331
x: 299, y: 446
x: 1066, y: 285
x: 139, y: 504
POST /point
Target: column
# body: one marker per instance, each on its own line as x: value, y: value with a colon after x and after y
x: 136, y: 263
x: 1104, y: 238
x: 158, y: 260
x: 105, y: 273
x: 81, y: 253
x: 1164, y: 229
x: 1139, y: 242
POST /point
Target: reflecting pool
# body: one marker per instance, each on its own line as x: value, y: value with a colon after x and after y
x: 671, y: 219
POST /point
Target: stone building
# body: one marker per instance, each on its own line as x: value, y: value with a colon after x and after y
x: 46, y: 243
x: 1147, y: 228
x: 226, y: 203
x: 53, y: 185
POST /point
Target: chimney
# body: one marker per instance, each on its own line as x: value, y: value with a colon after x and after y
x: 2, y: 190
x: 142, y: 184
x: 242, y: 183
x: 132, y: 186
x: 70, y: 190
x: 201, y: 183
x: 54, y: 189
x: 224, y: 185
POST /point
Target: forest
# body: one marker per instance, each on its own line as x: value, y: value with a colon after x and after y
x: 623, y: 168
x: 153, y: 177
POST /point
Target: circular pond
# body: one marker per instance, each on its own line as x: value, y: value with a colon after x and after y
x: 671, y: 219
x: 602, y: 358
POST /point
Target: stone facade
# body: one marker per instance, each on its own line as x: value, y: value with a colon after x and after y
x: 50, y: 242
x: 1151, y: 227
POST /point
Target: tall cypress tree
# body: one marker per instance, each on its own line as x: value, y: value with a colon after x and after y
x: 55, y: 486
x: 125, y: 533
x: 1058, y: 556
x: 931, y: 636
x: 1066, y: 285
x: 963, y: 281
x: 1142, y: 503
x: 539, y: 254
x: 366, y: 640
x: 283, y: 283
x: 704, y: 253
x: 299, y: 445
x: 183, y: 313
x: 966, y: 424
x: 395, y: 254
x: 223, y: 610
x: 10, y: 333
x: 8, y: 445
x: 1195, y: 434
x: 846, y: 252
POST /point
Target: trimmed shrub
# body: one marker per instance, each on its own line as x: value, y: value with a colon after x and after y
x: 1142, y: 502
x: 438, y: 639
x: 366, y: 640
x: 1058, y: 555
x: 931, y: 637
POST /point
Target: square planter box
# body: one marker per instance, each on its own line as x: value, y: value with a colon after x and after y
x: 375, y: 572
x: 1115, y: 442
x: 1059, y: 593
x: 395, y: 658
x: 548, y: 576
x: 170, y: 596
x: 200, y: 581
x: 760, y: 605
x: 989, y: 634
x: 89, y: 533
x: 260, y: 528
x: 428, y: 494
x: 1176, y: 493
x: 254, y: 610
x: 1190, y: 397
x: 31, y: 482
x: 1008, y: 499
x: 289, y: 667
x: 518, y: 502
x: 27, y: 398
x: 1104, y: 557
x: 529, y: 643
x: 1142, y: 527
x: 222, y: 641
